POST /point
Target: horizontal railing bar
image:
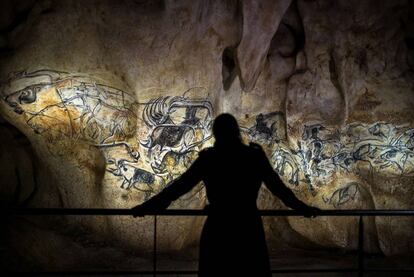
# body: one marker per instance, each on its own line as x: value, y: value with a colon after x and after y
x: 389, y: 270
x: 144, y: 272
x: 182, y: 272
x: 191, y: 212
x: 188, y: 272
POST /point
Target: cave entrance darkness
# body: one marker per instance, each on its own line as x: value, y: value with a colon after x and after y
x: 360, y: 268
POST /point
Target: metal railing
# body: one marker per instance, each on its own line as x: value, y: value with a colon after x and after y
x: 360, y: 269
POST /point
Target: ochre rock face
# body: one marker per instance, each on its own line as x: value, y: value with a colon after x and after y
x: 117, y: 99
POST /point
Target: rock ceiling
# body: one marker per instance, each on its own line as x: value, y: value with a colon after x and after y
x: 116, y: 100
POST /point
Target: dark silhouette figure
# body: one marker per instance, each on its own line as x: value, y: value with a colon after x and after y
x: 233, y: 240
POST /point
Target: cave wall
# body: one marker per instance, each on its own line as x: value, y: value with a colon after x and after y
x: 117, y: 98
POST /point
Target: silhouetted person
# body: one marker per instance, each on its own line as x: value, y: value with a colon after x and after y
x: 233, y: 240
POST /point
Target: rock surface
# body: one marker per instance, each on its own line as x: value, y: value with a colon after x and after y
x: 113, y: 100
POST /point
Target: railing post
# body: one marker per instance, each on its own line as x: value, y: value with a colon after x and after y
x: 361, y: 247
x: 154, y: 258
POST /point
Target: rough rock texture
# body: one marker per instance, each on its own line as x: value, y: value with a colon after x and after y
x: 113, y: 99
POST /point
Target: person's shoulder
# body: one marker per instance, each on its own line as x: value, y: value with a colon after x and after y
x: 205, y: 152
x: 204, y: 155
x: 255, y: 146
x: 257, y: 150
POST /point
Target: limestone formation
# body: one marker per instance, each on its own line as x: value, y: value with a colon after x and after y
x: 103, y: 103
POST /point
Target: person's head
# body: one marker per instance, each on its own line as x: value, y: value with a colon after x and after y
x: 226, y: 130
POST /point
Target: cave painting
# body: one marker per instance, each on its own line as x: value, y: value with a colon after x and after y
x: 176, y: 125
x: 323, y: 151
x: 342, y: 195
x: 60, y: 105
x: 148, y: 144
x: 267, y: 128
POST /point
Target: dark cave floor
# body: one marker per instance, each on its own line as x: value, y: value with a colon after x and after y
x: 295, y: 259
x: 41, y: 250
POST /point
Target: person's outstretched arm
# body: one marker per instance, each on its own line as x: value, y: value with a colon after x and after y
x: 279, y: 189
x: 173, y: 190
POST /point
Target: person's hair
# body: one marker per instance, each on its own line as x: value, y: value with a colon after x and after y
x: 226, y: 129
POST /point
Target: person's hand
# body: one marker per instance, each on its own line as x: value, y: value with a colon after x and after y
x: 143, y: 209
x: 310, y: 212
x: 139, y: 210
